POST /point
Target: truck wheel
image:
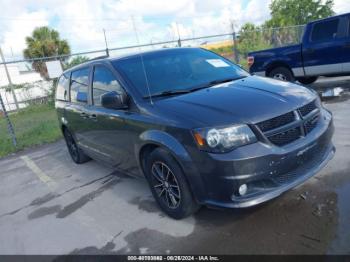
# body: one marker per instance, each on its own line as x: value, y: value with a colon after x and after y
x: 307, y: 80
x: 281, y: 73
x: 169, y: 185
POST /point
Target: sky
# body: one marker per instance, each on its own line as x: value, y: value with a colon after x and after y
x: 82, y: 22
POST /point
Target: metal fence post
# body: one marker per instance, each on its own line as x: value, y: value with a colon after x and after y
x: 178, y: 34
x: 9, y: 124
x: 9, y: 79
x: 179, y: 42
x: 235, y: 50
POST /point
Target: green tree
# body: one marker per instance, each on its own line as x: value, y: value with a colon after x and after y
x: 44, y: 42
x: 76, y: 61
x: 252, y: 38
x: 298, y: 12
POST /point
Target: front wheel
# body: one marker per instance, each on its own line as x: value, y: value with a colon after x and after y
x: 168, y: 185
x: 281, y: 73
x: 307, y: 80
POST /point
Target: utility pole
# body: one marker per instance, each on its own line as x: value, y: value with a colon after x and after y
x: 9, y: 79
x: 104, y: 33
x: 178, y: 34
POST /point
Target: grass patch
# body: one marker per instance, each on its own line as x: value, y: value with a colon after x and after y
x: 34, y: 125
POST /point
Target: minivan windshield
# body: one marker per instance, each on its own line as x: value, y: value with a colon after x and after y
x: 177, y: 71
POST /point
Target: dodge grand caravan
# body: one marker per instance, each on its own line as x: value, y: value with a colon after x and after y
x: 200, y: 129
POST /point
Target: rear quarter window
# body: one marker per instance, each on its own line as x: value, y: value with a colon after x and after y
x: 79, y: 85
x: 325, y: 31
x: 62, y: 90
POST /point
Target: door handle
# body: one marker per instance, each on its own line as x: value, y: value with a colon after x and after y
x: 83, y: 115
x: 93, y: 117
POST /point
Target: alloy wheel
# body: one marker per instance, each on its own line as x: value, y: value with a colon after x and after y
x: 166, y: 185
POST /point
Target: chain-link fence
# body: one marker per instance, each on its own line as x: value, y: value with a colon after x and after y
x: 26, y: 87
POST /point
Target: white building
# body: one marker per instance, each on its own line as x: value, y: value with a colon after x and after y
x: 20, y: 74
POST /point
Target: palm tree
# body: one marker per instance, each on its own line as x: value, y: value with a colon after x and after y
x: 75, y: 61
x: 44, y: 42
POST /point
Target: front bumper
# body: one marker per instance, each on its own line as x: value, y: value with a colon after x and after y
x: 269, y: 193
x: 268, y: 170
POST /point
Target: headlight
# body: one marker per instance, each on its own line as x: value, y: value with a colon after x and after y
x: 220, y: 140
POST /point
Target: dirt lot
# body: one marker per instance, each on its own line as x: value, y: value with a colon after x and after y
x: 51, y: 206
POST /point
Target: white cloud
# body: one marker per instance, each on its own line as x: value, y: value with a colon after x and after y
x: 219, y: 20
x: 341, y: 6
x: 13, y: 32
x: 154, y: 7
x: 81, y: 22
x: 257, y: 9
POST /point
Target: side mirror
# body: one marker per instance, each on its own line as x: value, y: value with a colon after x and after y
x: 114, y: 100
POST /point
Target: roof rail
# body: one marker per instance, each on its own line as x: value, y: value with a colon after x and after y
x: 99, y: 57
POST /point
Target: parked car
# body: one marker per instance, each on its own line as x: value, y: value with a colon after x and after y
x: 324, y: 51
x: 200, y: 129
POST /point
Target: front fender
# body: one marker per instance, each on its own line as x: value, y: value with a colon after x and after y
x: 167, y: 141
x: 164, y: 139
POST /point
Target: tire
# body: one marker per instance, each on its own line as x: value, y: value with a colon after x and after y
x: 169, y: 185
x: 77, y: 155
x: 282, y: 73
x: 307, y: 80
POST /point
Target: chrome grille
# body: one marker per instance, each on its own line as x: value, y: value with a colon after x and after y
x: 289, y: 127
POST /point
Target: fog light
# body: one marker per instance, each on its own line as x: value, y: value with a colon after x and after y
x: 243, y: 189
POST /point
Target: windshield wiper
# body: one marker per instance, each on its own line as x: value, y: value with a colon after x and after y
x: 225, y: 80
x: 185, y: 91
x: 169, y: 93
x: 215, y: 82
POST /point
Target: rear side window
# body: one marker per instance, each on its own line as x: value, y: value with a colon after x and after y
x: 325, y: 31
x: 103, y: 82
x: 63, y: 88
x: 79, y: 85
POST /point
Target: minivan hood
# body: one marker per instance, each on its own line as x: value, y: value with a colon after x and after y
x: 248, y: 100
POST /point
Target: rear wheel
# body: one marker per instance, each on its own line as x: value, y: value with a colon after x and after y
x: 77, y: 155
x: 168, y: 185
x: 282, y: 73
x: 307, y: 80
